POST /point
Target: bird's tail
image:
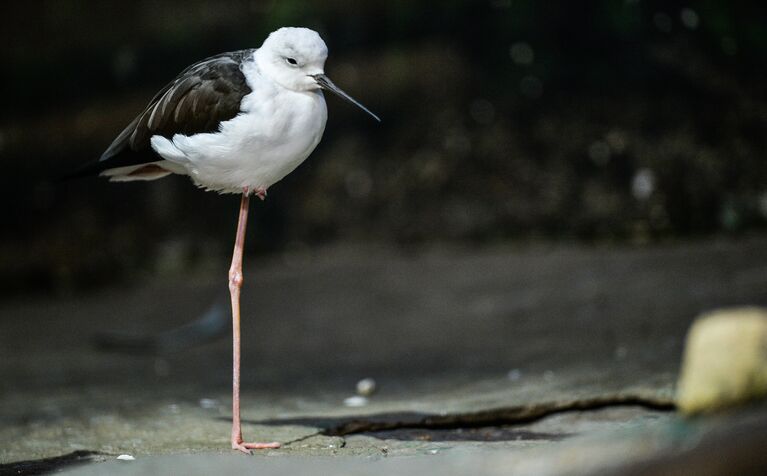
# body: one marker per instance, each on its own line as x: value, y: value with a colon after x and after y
x: 85, y: 170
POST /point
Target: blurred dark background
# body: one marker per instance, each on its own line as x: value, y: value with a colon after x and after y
x: 504, y: 121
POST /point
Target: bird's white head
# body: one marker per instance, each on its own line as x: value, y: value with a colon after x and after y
x: 291, y: 56
x: 295, y: 58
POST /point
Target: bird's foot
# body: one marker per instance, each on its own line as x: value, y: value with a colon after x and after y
x: 238, y: 444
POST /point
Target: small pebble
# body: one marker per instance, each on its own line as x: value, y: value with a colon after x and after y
x: 355, y: 401
x: 126, y: 458
x: 366, y: 387
x: 514, y: 375
x: 208, y: 403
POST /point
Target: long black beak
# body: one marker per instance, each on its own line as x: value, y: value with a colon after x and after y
x: 326, y: 84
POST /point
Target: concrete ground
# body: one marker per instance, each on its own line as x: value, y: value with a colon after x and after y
x: 544, y: 360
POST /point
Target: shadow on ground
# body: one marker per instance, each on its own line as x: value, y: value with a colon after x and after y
x: 382, y: 424
x: 48, y: 465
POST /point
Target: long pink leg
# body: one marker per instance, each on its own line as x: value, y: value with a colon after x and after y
x: 235, y: 284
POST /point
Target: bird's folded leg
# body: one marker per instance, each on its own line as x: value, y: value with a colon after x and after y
x: 260, y: 193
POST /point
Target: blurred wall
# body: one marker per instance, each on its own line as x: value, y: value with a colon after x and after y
x: 502, y: 120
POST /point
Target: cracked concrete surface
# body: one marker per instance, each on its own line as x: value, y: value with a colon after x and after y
x: 482, y: 357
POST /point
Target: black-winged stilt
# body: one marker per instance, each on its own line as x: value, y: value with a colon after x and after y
x: 236, y: 122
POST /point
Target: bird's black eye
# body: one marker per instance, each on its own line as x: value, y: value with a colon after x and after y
x: 291, y: 61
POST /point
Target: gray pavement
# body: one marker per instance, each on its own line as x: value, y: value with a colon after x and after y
x: 544, y: 360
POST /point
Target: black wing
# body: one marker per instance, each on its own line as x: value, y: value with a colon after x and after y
x: 197, y: 101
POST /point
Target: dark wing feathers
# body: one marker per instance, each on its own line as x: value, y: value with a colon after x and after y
x: 197, y: 101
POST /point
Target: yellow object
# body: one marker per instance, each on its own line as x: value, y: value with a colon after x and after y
x: 725, y: 360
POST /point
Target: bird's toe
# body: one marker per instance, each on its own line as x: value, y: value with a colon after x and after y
x: 247, y: 447
x: 262, y: 446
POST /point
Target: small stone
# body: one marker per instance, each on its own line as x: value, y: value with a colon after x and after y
x: 514, y: 375
x: 355, y: 401
x: 208, y: 403
x: 126, y: 458
x: 366, y: 387
x: 725, y: 360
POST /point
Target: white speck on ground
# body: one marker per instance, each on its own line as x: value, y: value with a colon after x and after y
x: 208, y: 403
x: 366, y: 387
x: 355, y: 401
x: 514, y: 375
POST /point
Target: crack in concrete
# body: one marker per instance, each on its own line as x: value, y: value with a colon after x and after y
x: 492, y: 417
x: 303, y: 438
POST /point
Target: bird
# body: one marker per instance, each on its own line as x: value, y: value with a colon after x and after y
x: 237, y: 122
